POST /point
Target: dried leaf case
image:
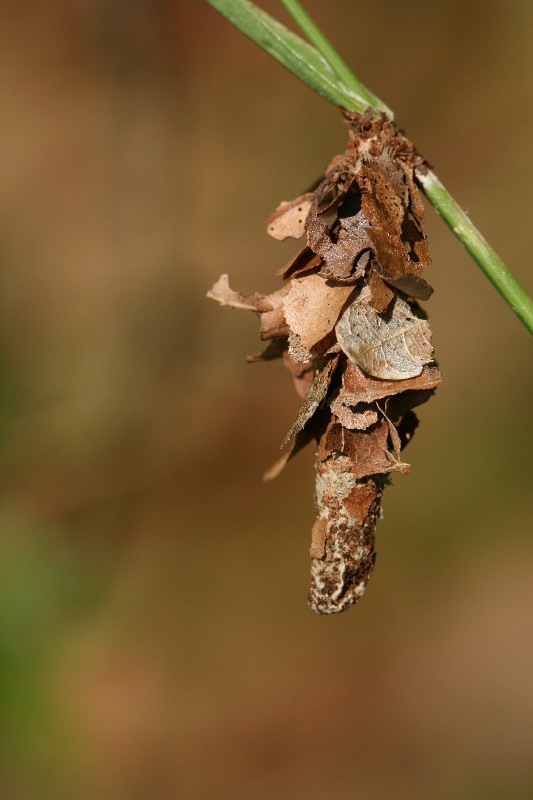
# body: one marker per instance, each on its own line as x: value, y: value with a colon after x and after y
x: 348, y: 327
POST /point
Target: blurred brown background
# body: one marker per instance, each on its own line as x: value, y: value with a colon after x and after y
x: 155, y: 640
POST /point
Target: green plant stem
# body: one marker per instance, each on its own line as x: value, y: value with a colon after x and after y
x: 323, y: 70
x: 478, y: 247
x: 301, y: 58
x: 328, y: 52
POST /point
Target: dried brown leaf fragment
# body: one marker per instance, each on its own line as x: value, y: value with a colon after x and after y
x: 304, y: 261
x: 353, y: 416
x: 312, y: 307
x: 226, y: 296
x: 288, y: 220
x: 342, y: 248
x: 324, y: 370
x: 367, y: 450
x: 359, y: 387
x: 269, y: 307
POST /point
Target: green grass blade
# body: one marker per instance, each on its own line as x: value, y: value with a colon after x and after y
x: 477, y: 246
x: 328, y: 52
x: 290, y: 50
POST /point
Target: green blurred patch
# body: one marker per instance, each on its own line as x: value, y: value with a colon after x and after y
x: 46, y: 588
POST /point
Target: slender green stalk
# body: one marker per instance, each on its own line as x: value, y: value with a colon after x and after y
x: 298, y: 56
x: 480, y: 250
x: 322, y: 69
x: 328, y: 52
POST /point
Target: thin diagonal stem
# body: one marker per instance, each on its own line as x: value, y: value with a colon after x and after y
x: 327, y: 51
x: 478, y: 247
x: 301, y: 58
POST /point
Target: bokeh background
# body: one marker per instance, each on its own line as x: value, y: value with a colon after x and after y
x: 155, y: 640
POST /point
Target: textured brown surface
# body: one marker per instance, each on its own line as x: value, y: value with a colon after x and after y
x: 355, y: 298
x: 347, y: 512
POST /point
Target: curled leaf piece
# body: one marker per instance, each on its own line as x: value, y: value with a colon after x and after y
x: 226, y: 296
x: 353, y: 417
x: 288, y: 220
x: 315, y: 396
x: 341, y: 248
x: 312, y: 307
x: 358, y: 387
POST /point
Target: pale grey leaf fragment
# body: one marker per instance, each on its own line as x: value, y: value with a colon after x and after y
x: 393, y: 347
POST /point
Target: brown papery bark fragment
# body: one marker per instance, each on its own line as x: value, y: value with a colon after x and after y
x: 347, y: 512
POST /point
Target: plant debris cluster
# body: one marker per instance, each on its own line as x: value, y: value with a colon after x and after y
x: 348, y: 327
